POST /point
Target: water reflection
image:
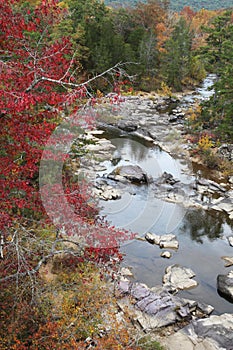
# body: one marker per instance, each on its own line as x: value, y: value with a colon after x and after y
x: 131, y: 149
x: 200, y: 224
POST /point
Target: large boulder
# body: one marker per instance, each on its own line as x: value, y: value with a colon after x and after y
x: 132, y: 173
x: 225, y: 286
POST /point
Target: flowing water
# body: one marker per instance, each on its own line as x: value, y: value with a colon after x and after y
x: 201, y: 234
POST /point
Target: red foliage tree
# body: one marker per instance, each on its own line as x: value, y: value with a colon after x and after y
x: 30, y: 103
x: 40, y: 88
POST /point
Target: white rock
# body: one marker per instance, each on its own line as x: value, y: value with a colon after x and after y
x: 169, y: 244
x: 228, y: 207
x: 152, y: 238
x: 166, y: 254
x: 215, y: 207
x: 231, y: 180
x: 95, y: 132
x: 178, y: 277
x: 125, y: 271
x: 228, y: 260
x: 168, y: 238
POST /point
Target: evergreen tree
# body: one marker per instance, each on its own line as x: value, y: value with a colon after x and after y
x: 176, y: 62
x: 218, y: 111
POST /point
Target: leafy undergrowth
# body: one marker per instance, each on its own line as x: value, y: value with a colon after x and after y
x: 205, y: 144
x: 72, y: 308
x: 146, y: 343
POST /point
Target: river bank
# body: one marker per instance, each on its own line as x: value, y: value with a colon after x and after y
x: 149, y: 131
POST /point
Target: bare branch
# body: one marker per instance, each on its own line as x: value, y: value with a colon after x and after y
x: 32, y: 271
x: 74, y: 85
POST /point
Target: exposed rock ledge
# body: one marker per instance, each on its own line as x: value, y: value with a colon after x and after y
x: 153, y: 309
x: 156, y: 307
x: 213, y: 333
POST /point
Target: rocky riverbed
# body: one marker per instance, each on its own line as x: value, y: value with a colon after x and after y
x: 159, y: 122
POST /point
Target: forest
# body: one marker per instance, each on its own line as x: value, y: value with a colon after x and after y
x: 178, y: 5
x: 57, y: 57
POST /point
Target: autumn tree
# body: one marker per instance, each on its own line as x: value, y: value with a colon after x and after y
x: 41, y: 87
x: 197, y: 21
x: 152, y: 16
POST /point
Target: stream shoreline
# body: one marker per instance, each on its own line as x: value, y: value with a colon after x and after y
x: 147, y: 118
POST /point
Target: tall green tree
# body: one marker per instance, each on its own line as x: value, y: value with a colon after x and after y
x: 83, y: 25
x: 218, y: 53
x: 176, y: 63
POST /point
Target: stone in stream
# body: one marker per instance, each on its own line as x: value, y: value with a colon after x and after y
x: 166, y: 255
x: 172, y: 244
x: 164, y: 241
x: 229, y: 260
x: 125, y: 271
x: 133, y: 173
x: 152, y: 238
x: 168, y: 178
x: 105, y: 191
x: 230, y: 240
x: 177, y: 277
x: 225, y: 286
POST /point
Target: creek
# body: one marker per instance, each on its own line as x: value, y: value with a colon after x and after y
x: 202, y: 234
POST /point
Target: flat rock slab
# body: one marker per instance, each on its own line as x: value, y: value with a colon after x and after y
x: 149, y: 309
x: 212, y: 333
x: 177, y: 277
x: 147, y: 322
x: 155, y: 308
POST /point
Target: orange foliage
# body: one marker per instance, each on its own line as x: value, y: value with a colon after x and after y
x: 188, y: 13
x: 149, y: 14
x: 201, y: 18
x: 162, y: 35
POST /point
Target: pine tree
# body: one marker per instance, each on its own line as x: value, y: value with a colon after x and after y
x: 177, y: 58
x: 218, y: 111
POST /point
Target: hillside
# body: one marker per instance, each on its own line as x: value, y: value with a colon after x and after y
x: 177, y: 5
